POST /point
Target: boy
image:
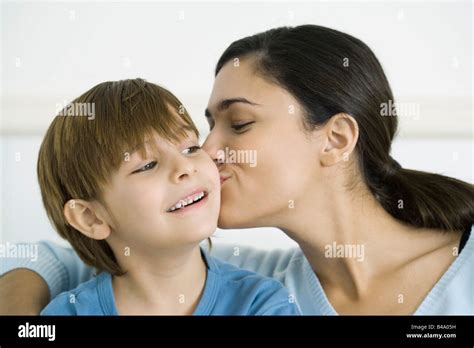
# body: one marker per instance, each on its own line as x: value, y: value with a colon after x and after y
x: 134, y: 194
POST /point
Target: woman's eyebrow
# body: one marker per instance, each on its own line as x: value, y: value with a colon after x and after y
x: 226, y: 103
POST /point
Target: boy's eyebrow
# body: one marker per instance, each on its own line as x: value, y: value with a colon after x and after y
x: 135, y: 149
x: 224, y: 104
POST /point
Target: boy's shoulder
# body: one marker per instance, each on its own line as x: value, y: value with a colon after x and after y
x: 231, y: 273
x: 83, y: 300
x: 243, y: 292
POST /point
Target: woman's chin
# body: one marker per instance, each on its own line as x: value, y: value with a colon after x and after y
x: 227, y: 221
x: 233, y: 221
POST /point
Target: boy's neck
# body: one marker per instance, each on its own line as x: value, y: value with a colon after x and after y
x: 165, y: 282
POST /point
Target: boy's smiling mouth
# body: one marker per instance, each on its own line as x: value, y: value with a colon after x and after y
x: 189, y: 201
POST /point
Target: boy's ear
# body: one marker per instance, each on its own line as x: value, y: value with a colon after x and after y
x: 341, y: 135
x: 89, y: 218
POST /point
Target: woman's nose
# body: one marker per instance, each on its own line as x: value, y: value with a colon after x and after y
x: 211, y: 146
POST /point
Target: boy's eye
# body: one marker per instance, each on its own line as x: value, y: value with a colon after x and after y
x: 238, y: 127
x: 146, y: 167
x: 191, y: 150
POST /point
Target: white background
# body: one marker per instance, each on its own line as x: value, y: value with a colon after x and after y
x: 52, y: 52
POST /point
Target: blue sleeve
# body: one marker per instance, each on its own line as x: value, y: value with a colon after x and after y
x: 274, y: 299
x: 60, y: 306
x: 283, y: 309
x: 264, y: 262
x: 60, y: 267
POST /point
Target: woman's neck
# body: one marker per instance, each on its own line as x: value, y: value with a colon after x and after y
x: 350, y: 240
x: 161, y: 282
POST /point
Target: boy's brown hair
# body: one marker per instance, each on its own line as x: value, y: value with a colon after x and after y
x: 79, y: 153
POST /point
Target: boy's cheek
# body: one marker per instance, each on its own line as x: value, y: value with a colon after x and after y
x: 131, y: 204
x: 213, y: 173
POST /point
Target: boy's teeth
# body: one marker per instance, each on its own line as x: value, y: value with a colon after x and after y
x: 185, y: 202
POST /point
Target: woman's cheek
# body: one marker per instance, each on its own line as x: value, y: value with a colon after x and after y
x: 277, y: 173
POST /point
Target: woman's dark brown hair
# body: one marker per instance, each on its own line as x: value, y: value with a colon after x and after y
x: 309, y: 62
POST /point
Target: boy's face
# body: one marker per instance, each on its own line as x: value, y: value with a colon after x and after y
x: 144, y: 196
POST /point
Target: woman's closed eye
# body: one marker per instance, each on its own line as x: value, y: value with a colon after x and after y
x: 238, y: 127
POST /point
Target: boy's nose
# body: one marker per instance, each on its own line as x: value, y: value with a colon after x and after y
x: 184, y: 168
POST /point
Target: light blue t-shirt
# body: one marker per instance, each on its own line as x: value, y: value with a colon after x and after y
x: 62, y: 270
x: 228, y: 291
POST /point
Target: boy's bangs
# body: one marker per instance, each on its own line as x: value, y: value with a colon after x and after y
x: 148, y: 123
x: 124, y: 124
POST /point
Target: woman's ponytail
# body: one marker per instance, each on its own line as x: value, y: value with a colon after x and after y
x: 422, y: 199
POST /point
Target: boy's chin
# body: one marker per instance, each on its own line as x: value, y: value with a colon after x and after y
x: 197, y: 232
x: 205, y: 231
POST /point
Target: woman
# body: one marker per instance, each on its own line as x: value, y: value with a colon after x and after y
x: 374, y: 238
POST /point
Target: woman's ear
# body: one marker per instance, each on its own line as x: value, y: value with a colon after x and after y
x: 89, y: 218
x: 341, y: 135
